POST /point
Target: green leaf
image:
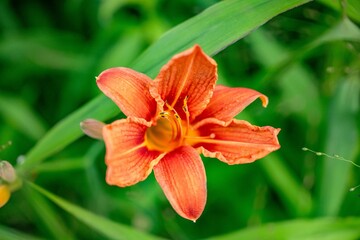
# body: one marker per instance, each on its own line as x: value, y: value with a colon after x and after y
x: 107, y: 228
x: 60, y: 165
x: 345, y: 30
x: 48, y: 218
x: 214, y: 29
x: 41, y: 49
x: 352, y: 7
x: 291, y: 191
x: 324, y: 229
x: 295, y: 197
x: 342, y: 140
x: 18, y: 114
x: 68, y: 130
x: 129, y: 46
x: 7, y: 233
x: 294, y: 82
x: 108, y: 9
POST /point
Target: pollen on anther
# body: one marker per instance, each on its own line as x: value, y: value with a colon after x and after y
x: 163, y: 114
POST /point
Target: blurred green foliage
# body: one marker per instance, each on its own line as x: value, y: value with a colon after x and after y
x: 306, y: 60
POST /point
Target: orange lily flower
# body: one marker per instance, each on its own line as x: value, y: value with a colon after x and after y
x: 174, y: 118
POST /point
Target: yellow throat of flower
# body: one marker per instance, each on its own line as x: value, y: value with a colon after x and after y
x: 170, y: 130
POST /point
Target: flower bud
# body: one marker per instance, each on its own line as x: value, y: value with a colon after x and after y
x: 92, y: 128
x: 7, y: 172
x: 4, y: 195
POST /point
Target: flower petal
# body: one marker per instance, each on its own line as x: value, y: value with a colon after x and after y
x: 129, y: 90
x: 236, y: 141
x: 181, y: 175
x: 127, y: 158
x: 190, y: 74
x: 227, y: 102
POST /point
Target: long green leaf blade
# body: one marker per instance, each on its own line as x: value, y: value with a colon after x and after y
x: 7, y: 233
x: 108, y: 228
x: 47, y: 216
x: 68, y: 130
x: 323, y: 228
x: 214, y: 29
x: 345, y: 30
x: 295, y: 197
x: 18, y: 114
x: 342, y: 140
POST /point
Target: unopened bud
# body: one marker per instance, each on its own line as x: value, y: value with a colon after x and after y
x: 92, y: 128
x: 4, y: 195
x: 7, y: 172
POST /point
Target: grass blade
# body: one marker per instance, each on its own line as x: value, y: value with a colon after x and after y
x: 48, y: 218
x: 68, y: 130
x: 214, y: 29
x: 7, y: 233
x: 295, y: 197
x: 107, y: 228
x: 18, y: 113
x: 324, y: 228
x: 342, y: 140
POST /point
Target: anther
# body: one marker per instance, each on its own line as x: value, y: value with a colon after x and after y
x: 175, y: 122
x: 164, y: 114
x: 185, y: 109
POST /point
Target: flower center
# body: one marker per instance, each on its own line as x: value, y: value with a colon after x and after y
x: 170, y: 130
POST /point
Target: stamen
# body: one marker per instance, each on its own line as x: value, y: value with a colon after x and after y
x: 167, y: 116
x: 211, y: 136
x: 163, y: 114
x: 171, y: 129
x: 194, y: 138
x: 187, y: 114
x: 177, y: 121
x: 171, y: 108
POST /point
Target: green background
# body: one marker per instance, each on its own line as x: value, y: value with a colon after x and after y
x: 304, y: 55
